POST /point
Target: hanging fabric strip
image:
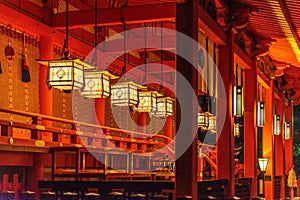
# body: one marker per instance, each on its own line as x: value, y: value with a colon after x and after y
x: 124, y: 27
x: 0, y: 68
x: 25, y: 66
x: 207, y: 65
x: 161, y: 58
x: 145, y: 54
x: 213, y: 93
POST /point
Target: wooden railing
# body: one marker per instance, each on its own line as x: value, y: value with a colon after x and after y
x: 243, y: 188
x: 206, y: 189
x: 36, y: 129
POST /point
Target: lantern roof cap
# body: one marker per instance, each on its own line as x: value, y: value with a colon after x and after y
x: 75, y: 60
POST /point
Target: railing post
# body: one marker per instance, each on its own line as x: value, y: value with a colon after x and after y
x: 37, y: 134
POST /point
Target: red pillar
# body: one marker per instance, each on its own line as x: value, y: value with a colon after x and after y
x: 225, y: 142
x: 35, y: 174
x: 250, y: 129
x: 268, y: 143
x: 142, y: 122
x: 46, y: 94
x: 169, y: 127
x: 100, y: 110
x: 100, y: 114
x: 289, y: 143
x: 186, y: 163
x: 279, y: 164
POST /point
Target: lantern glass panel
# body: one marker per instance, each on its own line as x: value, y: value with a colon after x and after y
x: 287, y: 131
x: 97, y: 85
x: 263, y: 162
x: 203, y: 121
x: 260, y: 114
x: 124, y: 94
x: 276, y: 125
x: 65, y: 74
x: 147, y: 101
x: 237, y: 130
x: 164, y: 107
x: 212, y: 122
x: 238, y: 101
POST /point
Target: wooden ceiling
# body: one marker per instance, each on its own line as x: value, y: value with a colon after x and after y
x: 279, y: 21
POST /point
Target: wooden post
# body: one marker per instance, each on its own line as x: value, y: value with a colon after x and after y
x: 250, y: 129
x: 225, y: 142
x: 268, y: 144
x: 186, y: 164
x: 46, y: 94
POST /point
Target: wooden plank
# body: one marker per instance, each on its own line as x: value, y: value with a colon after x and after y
x: 113, y: 16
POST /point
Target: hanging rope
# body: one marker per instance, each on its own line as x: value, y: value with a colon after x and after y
x: 96, y: 31
x: 161, y: 58
x: 207, y: 65
x: 124, y: 27
x: 145, y: 54
x: 25, y: 67
x: 66, y: 45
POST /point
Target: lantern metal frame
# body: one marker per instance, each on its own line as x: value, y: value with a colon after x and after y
x: 236, y: 130
x: 203, y: 120
x: 212, y: 122
x: 260, y: 114
x: 147, y: 101
x: 125, y: 94
x: 276, y: 124
x: 97, y: 84
x: 287, y: 130
x: 238, y: 101
x: 164, y: 107
x: 263, y: 163
x: 66, y: 74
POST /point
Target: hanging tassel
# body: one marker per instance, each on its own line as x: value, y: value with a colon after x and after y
x: 0, y: 68
x: 25, y: 71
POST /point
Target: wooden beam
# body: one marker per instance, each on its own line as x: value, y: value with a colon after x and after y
x: 113, y: 16
x: 242, y: 58
x: 137, y: 44
x: 262, y: 78
x: 42, y: 14
x: 36, y: 28
x: 210, y: 27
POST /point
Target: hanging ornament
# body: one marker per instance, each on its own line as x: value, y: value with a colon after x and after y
x: 9, y: 51
x: 25, y: 66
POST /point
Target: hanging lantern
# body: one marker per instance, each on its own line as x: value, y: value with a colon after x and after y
x: 164, y: 107
x: 263, y: 162
x: 65, y: 74
x: 97, y: 84
x: 147, y: 101
x: 276, y: 124
x: 125, y: 94
x: 287, y: 130
x: 236, y: 130
x: 203, y: 120
x: 260, y: 114
x: 212, y: 122
x: 238, y: 101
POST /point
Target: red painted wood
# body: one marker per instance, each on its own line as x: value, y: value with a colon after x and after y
x: 225, y: 143
x: 250, y: 129
x: 134, y: 14
x: 268, y: 142
x: 186, y: 164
